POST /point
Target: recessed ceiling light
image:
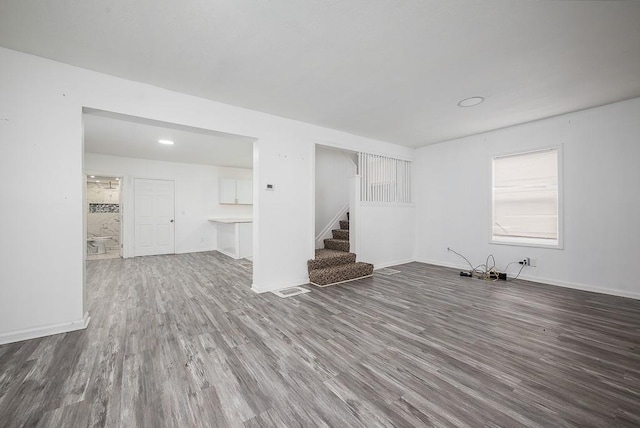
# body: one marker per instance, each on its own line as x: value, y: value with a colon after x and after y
x: 97, y: 181
x: 92, y: 176
x: 118, y: 178
x: 470, y: 102
x: 167, y: 142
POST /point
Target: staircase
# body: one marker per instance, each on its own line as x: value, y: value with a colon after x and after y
x: 334, y: 263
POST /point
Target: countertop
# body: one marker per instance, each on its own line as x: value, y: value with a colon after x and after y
x: 231, y: 220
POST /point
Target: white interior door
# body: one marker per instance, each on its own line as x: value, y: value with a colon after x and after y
x: 154, y: 217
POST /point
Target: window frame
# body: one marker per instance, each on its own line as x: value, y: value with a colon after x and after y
x: 530, y: 242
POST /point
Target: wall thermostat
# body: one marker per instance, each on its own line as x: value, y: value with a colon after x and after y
x: 269, y: 186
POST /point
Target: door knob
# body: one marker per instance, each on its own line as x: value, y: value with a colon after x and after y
x: 171, y: 220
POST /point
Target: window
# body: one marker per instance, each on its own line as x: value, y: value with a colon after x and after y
x: 525, y: 199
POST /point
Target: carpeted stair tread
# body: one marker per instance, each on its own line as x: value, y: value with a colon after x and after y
x: 322, y: 253
x: 341, y: 273
x: 334, y: 263
x: 328, y: 258
x: 340, y: 234
x: 337, y: 244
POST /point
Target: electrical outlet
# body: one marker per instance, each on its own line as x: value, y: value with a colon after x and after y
x: 528, y: 261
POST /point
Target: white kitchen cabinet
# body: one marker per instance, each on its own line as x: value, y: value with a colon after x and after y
x: 235, y: 237
x: 228, y: 191
x: 244, y: 192
x: 239, y: 192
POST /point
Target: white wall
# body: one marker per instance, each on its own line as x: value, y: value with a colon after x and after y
x: 196, y: 197
x: 41, y: 142
x: 601, y: 175
x: 386, y: 234
x: 333, y: 171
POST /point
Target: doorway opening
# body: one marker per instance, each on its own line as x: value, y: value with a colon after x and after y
x: 335, y: 170
x: 133, y: 153
x: 103, y: 217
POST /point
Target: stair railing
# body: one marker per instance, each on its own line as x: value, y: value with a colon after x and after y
x: 326, y: 231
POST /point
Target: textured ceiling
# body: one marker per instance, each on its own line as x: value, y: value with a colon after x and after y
x: 390, y: 70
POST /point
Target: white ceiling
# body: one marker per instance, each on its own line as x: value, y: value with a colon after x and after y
x: 391, y: 70
x: 121, y: 135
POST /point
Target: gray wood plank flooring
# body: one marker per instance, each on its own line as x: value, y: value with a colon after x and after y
x: 182, y: 341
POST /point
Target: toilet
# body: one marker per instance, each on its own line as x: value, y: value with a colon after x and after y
x: 97, y: 244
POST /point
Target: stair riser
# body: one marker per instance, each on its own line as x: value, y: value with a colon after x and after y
x: 340, y: 273
x: 332, y: 261
x: 340, y: 234
x: 344, y: 225
x: 336, y: 245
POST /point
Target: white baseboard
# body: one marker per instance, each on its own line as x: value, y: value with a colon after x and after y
x: 443, y: 264
x: 550, y: 281
x: 48, y: 330
x: 199, y: 250
x: 396, y: 263
x: 228, y: 254
x: 278, y: 286
x: 583, y: 287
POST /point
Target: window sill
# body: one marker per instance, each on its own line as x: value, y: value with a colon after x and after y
x: 532, y: 242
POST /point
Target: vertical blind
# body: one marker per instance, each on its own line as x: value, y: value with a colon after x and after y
x: 384, y: 179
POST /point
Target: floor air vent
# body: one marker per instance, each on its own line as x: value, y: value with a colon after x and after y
x: 290, y: 292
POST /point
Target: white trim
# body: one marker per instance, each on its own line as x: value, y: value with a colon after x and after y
x: 257, y: 288
x: 227, y: 253
x: 312, y: 190
x: 388, y: 204
x: 47, y: 330
x: 354, y: 216
x: 549, y: 281
x: 526, y: 242
x: 396, y: 263
x: 355, y: 165
x: 199, y: 250
x: 340, y: 282
x: 255, y: 213
x: 582, y: 287
x: 331, y: 225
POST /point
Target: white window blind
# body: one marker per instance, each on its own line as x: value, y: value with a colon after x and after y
x: 526, y: 198
x: 384, y: 179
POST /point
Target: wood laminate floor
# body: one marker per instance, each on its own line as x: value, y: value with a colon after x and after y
x: 182, y: 341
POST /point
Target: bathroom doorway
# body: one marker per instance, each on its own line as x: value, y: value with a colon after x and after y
x: 104, y: 217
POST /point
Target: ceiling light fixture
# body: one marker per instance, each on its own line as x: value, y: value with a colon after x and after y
x: 167, y: 142
x: 470, y: 102
x: 118, y: 178
x: 92, y: 176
